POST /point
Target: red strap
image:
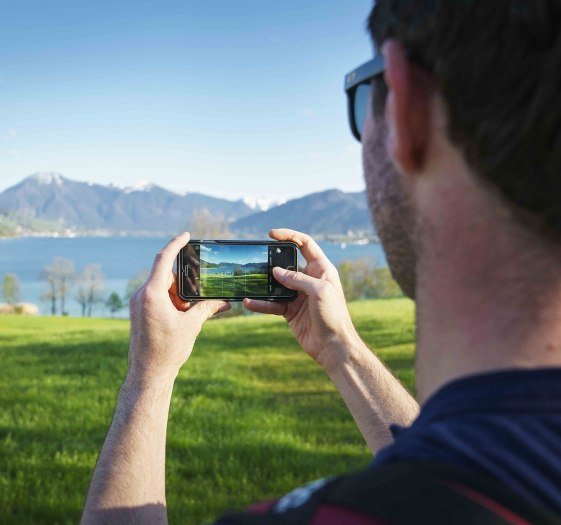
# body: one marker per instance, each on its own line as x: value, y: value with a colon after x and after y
x: 492, y: 505
x: 331, y: 515
x: 261, y: 508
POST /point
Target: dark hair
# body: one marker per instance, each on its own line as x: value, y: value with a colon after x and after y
x: 498, y: 66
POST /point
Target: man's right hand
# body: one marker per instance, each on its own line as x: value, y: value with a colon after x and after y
x: 318, y: 318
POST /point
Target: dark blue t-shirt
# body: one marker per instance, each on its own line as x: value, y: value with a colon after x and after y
x: 504, y: 424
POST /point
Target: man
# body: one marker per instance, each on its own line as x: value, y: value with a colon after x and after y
x: 471, y: 223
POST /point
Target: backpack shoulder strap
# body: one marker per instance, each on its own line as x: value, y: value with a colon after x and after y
x: 407, y: 492
x: 422, y: 492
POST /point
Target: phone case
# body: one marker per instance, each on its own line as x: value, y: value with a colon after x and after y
x: 225, y: 276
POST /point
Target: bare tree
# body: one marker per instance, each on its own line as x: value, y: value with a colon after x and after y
x: 59, y: 276
x: 65, y: 278
x: 205, y: 225
x: 135, y: 283
x: 10, y: 289
x: 82, y: 296
x: 90, y: 288
x: 50, y: 293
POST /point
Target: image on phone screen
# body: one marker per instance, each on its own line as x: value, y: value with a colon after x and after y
x: 235, y: 270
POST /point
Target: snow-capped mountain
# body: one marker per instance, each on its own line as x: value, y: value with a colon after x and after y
x: 262, y: 203
x: 46, y: 178
x: 85, y: 206
x: 146, y: 208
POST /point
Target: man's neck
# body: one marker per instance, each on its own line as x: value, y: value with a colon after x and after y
x: 485, y: 302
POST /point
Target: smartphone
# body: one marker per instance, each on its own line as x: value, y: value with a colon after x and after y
x: 234, y: 270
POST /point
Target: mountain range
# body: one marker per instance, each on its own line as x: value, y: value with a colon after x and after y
x: 65, y: 204
x: 324, y: 213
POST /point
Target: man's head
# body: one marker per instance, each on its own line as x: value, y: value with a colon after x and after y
x: 480, y: 79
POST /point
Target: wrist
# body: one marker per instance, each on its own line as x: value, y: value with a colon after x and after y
x: 147, y: 370
x: 138, y: 382
x: 340, y: 351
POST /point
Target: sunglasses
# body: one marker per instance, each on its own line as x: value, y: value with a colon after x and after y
x: 358, y: 86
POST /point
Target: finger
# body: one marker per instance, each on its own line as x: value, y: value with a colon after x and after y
x: 265, y: 307
x: 307, y: 246
x: 204, y: 310
x: 164, y: 261
x: 179, y: 303
x: 298, y: 281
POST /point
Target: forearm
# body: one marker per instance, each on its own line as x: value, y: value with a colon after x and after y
x: 128, y: 484
x: 375, y: 398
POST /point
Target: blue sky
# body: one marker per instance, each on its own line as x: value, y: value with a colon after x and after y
x: 235, y: 254
x: 227, y: 98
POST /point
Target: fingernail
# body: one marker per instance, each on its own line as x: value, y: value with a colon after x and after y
x: 279, y: 272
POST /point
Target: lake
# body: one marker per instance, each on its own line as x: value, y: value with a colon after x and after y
x: 120, y: 258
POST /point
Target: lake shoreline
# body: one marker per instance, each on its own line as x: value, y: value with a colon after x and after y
x: 120, y: 259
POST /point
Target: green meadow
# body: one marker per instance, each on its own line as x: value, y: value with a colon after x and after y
x: 214, y: 285
x: 251, y: 418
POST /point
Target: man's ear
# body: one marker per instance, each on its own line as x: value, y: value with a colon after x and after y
x: 408, y: 108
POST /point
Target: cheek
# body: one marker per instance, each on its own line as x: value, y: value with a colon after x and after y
x: 374, y: 151
x: 368, y: 139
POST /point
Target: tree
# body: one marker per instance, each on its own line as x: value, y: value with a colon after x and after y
x: 59, y: 276
x: 114, y: 303
x: 91, y: 288
x: 358, y: 278
x: 361, y: 279
x: 205, y: 225
x: 65, y: 273
x: 50, y: 293
x: 386, y: 285
x: 10, y: 289
x: 82, y: 297
x: 135, y: 283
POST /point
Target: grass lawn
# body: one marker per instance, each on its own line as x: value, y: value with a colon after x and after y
x: 217, y: 285
x: 251, y: 417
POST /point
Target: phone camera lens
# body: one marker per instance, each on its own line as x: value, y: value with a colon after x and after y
x: 291, y: 268
x: 279, y: 250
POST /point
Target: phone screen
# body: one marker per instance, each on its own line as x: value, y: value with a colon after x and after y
x: 234, y: 270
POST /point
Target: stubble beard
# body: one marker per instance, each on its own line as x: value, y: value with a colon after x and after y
x: 390, y: 209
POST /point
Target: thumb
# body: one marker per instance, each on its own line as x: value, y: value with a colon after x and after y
x: 204, y: 310
x: 297, y: 281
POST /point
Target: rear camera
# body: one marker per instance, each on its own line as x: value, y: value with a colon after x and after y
x: 291, y: 268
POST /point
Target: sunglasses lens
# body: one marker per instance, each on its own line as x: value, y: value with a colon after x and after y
x: 362, y: 97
